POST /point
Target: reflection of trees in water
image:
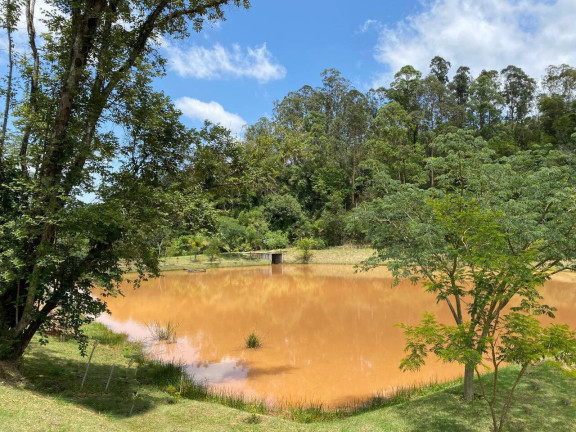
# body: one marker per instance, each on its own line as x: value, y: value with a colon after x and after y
x: 294, y: 310
x: 328, y: 326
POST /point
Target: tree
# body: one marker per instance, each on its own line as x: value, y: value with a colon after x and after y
x: 490, y: 232
x: 283, y: 212
x: 460, y: 87
x: 518, y: 92
x: 406, y: 89
x: 439, y: 68
x: 558, y: 105
x: 8, y: 22
x: 485, y: 101
x: 390, y: 143
x: 55, y: 246
x: 516, y: 339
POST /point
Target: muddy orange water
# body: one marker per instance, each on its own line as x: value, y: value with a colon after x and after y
x: 328, y: 334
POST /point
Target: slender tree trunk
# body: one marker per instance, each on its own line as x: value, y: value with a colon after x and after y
x: 8, y: 94
x: 9, y: 81
x: 469, y: 383
x: 34, y: 85
x: 353, y: 194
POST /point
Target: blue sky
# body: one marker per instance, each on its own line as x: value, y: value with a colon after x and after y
x: 302, y: 38
x: 232, y: 72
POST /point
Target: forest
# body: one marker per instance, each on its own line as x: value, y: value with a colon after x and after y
x: 307, y: 171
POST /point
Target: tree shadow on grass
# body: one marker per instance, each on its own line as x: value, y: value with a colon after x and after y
x: 446, y: 412
x: 130, y: 388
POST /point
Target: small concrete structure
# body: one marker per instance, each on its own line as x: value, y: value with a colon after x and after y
x: 274, y: 257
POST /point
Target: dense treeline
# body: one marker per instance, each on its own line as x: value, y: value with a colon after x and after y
x: 327, y: 149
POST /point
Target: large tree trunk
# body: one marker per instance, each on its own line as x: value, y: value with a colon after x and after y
x: 16, y: 334
x: 469, y: 383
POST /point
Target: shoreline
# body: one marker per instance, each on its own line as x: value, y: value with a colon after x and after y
x: 165, y: 401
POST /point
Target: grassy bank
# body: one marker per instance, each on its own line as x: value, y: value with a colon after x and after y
x: 47, y: 397
x: 334, y: 255
x: 337, y: 255
x: 204, y: 262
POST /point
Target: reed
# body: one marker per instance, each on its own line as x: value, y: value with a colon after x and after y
x: 253, y: 341
x: 162, y: 333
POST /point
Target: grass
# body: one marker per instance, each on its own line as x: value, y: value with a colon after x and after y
x: 335, y: 255
x: 203, y: 262
x: 162, y: 333
x: 253, y: 341
x: 46, y: 397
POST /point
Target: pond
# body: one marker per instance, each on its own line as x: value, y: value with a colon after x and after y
x: 328, y: 335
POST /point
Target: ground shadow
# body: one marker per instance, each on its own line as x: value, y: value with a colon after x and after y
x: 128, y: 393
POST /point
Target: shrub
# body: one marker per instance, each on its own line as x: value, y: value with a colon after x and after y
x: 212, y: 249
x: 305, y: 246
x: 276, y: 240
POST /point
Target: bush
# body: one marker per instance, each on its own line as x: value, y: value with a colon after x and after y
x: 305, y: 246
x: 276, y: 240
x: 212, y: 250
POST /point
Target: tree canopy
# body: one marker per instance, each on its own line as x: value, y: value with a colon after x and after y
x: 58, y: 147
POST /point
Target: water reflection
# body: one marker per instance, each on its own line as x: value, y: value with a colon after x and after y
x: 328, y: 334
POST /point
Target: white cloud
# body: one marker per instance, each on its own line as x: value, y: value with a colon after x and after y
x: 220, y: 62
x: 370, y: 24
x: 20, y: 37
x: 212, y: 111
x: 487, y: 34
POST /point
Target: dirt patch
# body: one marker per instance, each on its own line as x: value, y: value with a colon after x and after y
x: 10, y: 373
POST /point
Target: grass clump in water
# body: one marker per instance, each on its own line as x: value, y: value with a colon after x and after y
x: 253, y: 341
x: 162, y: 333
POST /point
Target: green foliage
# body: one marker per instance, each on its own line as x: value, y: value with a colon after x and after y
x: 161, y: 188
x: 283, y: 212
x: 491, y: 230
x: 89, y: 124
x: 233, y: 234
x: 253, y: 341
x: 276, y: 240
x: 213, y: 249
x: 305, y: 247
x: 331, y: 225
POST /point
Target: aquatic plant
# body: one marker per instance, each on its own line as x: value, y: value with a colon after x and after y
x: 253, y: 341
x: 162, y: 333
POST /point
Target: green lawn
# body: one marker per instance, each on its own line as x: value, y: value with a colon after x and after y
x: 48, y: 398
x: 203, y: 262
x: 335, y: 255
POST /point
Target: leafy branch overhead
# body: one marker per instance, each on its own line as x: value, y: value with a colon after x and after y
x: 91, y: 70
